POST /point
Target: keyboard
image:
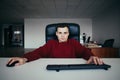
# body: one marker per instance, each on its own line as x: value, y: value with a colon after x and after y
x: 59, y: 67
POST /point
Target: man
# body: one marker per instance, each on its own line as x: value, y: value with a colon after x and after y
x: 60, y: 48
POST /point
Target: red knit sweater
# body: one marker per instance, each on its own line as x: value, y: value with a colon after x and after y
x: 54, y: 49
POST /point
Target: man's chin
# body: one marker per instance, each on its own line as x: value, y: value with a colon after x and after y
x: 63, y: 40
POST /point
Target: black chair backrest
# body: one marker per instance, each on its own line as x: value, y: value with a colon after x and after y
x: 73, y: 28
x: 108, y: 43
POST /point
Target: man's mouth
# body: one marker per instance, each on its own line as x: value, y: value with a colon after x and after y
x: 62, y: 38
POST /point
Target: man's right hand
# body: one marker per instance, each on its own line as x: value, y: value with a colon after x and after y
x: 20, y: 60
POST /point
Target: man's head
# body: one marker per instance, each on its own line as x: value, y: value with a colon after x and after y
x: 62, y: 33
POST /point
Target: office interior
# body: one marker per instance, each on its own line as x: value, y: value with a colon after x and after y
x: 22, y: 23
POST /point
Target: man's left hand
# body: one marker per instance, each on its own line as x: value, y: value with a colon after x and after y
x: 95, y: 60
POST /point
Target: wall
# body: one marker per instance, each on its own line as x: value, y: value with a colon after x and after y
x: 107, y: 25
x: 0, y: 35
x: 35, y: 29
x: 6, y: 26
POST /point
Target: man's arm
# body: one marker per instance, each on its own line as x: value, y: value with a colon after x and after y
x: 87, y: 54
x: 41, y: 52
x: 30, y: 56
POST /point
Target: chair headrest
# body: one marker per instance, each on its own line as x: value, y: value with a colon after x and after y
x: 73, y: 28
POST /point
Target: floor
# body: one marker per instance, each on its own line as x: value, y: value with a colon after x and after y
x: 13, y: 51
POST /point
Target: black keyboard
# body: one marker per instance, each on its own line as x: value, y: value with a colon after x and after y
x: 59, y: 67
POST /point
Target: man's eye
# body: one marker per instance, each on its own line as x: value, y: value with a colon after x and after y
x: 65, y: 32
x: 60, y: 33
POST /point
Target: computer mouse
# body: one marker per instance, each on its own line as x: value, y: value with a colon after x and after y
x: 13, y: 64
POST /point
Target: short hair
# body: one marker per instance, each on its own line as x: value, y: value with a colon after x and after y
x: 62, y: 26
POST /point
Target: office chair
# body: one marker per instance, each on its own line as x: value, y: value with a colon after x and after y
x: 108, y: 43
x: 73, y: 28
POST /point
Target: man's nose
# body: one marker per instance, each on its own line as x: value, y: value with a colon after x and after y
x: 62, y: 35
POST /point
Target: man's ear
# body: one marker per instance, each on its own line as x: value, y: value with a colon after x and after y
x: 56, y: 33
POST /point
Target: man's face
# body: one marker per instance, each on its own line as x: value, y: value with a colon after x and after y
x: 62, y: 34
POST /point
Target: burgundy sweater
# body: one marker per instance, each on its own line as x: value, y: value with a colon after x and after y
x: 54, y: 49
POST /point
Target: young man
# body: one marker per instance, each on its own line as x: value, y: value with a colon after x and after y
x: 60, y: 48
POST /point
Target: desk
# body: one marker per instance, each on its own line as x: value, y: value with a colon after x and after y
x: 36, y: 70
x: 106, y: 52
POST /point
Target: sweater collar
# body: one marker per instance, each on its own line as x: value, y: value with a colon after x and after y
x: 63, y: 42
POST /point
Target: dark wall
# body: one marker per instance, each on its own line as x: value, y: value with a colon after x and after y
x: 0, y: 35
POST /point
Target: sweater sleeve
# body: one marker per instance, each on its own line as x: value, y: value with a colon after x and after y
x: 82, y: 51
x: 40, y: 52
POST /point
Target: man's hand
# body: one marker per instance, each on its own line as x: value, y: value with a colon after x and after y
x: 21, y: 61
x: 95, y: 60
